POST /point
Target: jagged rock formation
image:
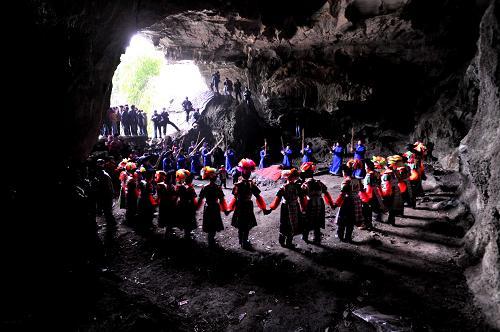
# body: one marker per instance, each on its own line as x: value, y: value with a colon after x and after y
x: 392, y: 68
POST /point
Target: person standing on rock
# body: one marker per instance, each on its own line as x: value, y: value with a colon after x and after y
x: 241, y: 203
x: 165, y: 118
x: 290, y: 196
x: 287, y: 154
x: 188, y: 107
x: 338, y: 152
x: 228, y: 87
x: 237, y: 90
x: 247, y: 95
x: 157, y: 123
x: 213, y: 196
x: 133, y: 120
x: 315, y: 195
x: 214, y: 85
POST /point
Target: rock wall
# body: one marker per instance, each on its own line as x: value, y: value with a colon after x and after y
x: 479, y: 162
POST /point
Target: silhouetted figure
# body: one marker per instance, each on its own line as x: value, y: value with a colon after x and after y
x: 228, y: 87
x: 214, y: 84
x: 188, y: 107
x: 157, y: 123
x: 237, y: 90
x: 247, y: 95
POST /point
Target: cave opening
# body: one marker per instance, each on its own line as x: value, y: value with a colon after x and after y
x: 149, y: 81
x: 318, y: 72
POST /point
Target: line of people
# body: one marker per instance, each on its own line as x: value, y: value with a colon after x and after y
x: 129, y: 120
x: 230, y: 87
x: 388, y: 184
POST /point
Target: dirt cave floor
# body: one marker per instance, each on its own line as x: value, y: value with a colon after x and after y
x: 409, y: 272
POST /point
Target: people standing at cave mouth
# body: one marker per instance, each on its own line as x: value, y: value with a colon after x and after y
x: 237, y: 90
x: 133, y: 120
x: 230, y: 158
x: 287, y: 155
x: 213, y: 196
x: 241, y: 203
x: 188, y: 107
x: 359, y: 154
x: 228, y: 87
x: 214, y: 84
x: 157, y: 122
x: 338, y: 152
x: 307, y: 153
x: 165, y: 118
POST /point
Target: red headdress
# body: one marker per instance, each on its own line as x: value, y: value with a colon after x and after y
x: 181, y: 174
x: 354, y: 164
x: 130, y: 166
x: 160, y: 176
x: 208, y: 172
x: 246, y: 166
x: 308, y: 166
x: 290, y: 174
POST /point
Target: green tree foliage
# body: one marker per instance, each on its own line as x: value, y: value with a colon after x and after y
x: 132, y: 79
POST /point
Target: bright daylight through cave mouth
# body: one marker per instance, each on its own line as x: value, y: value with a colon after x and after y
x: 275, y: 165
x: 147, y: 80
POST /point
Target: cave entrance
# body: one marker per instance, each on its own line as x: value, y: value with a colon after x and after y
x: 146, y: 79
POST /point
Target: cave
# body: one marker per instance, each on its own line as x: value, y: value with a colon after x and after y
x: 387, y: 72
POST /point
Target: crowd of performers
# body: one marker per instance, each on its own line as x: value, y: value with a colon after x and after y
x: 370, y: 188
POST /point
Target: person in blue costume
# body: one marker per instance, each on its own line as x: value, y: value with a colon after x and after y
x: 307, y: 153
x: 195, y: 162
x: 181, y: 159
x: 263, y: 157
x: 207, y: 155
x: 338, y: 152
x: 359, y: 153
x: 287, y: 154
x: 230, y: 155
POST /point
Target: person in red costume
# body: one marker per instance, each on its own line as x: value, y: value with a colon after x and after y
x: 213, y: 196
x: 290, y: 196
x: 313, y: 202
x: 186, y: 202
x: 241, y: 203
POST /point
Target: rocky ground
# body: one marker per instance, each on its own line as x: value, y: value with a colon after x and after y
x: 410, y: 272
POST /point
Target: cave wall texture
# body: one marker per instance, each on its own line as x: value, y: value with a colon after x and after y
x: 393, y: 69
